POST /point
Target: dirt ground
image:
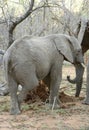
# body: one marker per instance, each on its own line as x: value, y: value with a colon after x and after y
x: 36, y: 116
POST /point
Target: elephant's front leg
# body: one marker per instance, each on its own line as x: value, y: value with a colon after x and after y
x: 56, y: 76
x: 86, y: 101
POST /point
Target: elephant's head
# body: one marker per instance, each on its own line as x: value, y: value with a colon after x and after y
x: 70, y: 48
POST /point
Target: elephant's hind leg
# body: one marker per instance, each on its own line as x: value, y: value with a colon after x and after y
x: 13, y: 87
x: 30, y: 82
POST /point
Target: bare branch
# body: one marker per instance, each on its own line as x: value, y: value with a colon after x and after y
x: 13, y: 24
x: 5, y: 21
x: 19, y: 20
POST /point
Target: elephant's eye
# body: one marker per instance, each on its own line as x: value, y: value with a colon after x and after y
x: 78, y: 52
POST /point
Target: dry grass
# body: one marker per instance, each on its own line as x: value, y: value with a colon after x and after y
x: 37, y: 116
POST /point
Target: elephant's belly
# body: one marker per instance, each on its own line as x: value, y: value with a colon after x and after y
x: 42, y: 71
x: 27, y: 71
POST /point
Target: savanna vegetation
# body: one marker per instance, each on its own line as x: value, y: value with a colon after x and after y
x: 40, y: 18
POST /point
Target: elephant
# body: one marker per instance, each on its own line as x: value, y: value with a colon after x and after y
x: 3, y: 87
x: 31, y: 59
x: 1, y: 56
x: 2, y: 52
x: 83, y: 37
x: 86, y: 100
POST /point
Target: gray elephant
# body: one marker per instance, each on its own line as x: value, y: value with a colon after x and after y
x: 29, y: 60
x: 86, y: 100
x: 2, y: 52
x: 82, y: 34
x: 3, y: 87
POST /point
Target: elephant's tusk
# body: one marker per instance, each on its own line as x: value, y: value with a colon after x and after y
x: 83, y: 65
x: 54, y: 103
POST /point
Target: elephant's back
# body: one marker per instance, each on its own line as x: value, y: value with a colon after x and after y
x: 32, y: 49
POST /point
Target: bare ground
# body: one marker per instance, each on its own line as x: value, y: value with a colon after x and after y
x: 36, y: 116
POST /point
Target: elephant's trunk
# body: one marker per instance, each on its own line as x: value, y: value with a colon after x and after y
x: 78, y: 80
x: 73, y: 81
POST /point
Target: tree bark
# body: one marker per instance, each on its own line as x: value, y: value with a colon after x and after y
x: 12, y: 25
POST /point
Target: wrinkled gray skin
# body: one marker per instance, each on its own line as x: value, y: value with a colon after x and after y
x: 86, y: 100
x: 2, y: 52
x: 3, y: 88
x: 83, y: 38
x: 29, y: 60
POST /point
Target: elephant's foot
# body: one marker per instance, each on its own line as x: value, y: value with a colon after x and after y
x: 54, y: 103
x: 52, y: 107
x: 14, y: 111
x: 86, y: 101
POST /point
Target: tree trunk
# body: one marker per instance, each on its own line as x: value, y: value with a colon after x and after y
x: 12, y: 25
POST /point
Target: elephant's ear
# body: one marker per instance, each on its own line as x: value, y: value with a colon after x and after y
x: 64, y: 46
